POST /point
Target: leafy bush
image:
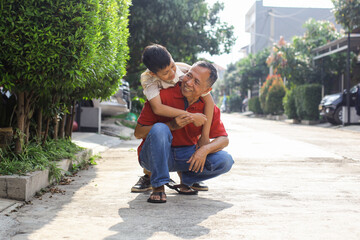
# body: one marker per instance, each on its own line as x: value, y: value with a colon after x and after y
x: 289, y: 104
x: 275, y: 97
x: 54, y: 53
x: 235, y: 103
x: 271, y: 95
x: 137, y: 104
x: 254, y: 105
x: 307, y: 99
x: 264, y: 90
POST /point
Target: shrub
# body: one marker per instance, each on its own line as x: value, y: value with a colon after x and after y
x: 36, y: 157
x: 137, y: 104
x: 254, y: 105
x: 56, y: 52
x: 289, y: 104
x: 307, y: 99
x: 275, y: 97
x: 264, y: 91
x: 272, y: 102
x: 235, y: 103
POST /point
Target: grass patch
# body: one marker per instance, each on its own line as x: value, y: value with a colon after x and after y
x: 84, y: 164
x: 36, y: 157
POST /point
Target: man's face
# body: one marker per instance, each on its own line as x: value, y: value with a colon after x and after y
x: 167, y: 74
x: 195, y: 83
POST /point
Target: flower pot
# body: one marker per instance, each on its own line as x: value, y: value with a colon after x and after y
x: 6, y: 136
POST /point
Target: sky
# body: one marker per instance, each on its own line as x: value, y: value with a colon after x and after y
x: 234, y: 13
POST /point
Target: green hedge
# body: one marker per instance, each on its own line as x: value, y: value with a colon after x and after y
x: 307, y: 99
x: 289, y: 104
x: 235, y: 102
x: 254, y: 105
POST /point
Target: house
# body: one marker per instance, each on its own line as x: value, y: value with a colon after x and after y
x: 266, y: 23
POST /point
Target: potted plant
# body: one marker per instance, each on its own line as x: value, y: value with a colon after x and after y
x: 7, y: 109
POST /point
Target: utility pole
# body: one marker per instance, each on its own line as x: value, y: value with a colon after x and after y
x: 272, y: 34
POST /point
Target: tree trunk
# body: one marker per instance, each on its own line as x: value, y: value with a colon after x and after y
x: 46, y: 131
x: 20, y: 115
x: 56, y: 127
x: 39, y: 125
x: 62, y: 126
x: 72, y: 118
x: 68, y: 123
x: 27, y: 130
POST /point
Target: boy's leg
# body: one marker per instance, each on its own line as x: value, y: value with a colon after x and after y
x: 198, y: 186
x: 156, y: 156
x: 143, y: 184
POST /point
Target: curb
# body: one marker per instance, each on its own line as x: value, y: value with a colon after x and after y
x: 23, y: 188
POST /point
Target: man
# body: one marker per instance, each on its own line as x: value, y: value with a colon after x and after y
x: 170, y: 144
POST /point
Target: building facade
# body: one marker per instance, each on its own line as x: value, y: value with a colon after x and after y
x: 266, y: 24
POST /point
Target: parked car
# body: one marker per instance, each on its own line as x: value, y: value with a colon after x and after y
x: 331, y: 105
x: 118, y: 103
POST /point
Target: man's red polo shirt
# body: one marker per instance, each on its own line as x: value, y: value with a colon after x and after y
x: 188, y: 135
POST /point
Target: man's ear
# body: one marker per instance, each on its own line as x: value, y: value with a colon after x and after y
x: 208, y: 90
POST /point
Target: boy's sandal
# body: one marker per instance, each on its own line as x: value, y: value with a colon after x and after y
x: 160, y: 194
x: 189, y: 190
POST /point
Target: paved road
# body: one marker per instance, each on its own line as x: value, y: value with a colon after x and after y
x: 288, y: 182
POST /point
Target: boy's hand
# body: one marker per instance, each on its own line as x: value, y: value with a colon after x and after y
x: 180, y: 121
x: 203, y: 140
x: 199, y: 119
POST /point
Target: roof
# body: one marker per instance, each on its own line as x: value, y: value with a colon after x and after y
x: 338, y: 45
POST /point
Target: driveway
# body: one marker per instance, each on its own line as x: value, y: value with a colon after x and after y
x: 288, y: 182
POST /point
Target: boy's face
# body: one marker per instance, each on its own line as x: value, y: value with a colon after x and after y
x: 166, y: 74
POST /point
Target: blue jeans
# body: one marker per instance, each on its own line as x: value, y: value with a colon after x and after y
x: 158, y: 157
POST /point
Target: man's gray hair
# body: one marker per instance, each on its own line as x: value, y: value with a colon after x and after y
x: 213, y: 72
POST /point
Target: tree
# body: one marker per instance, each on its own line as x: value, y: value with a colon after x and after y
x: 55, y: 52
x: 185, y: 27
x: 252, y: 70
x: 347, y: 13
x: 294, y: 61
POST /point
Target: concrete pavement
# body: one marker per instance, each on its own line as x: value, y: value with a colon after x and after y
x: 289, y: 182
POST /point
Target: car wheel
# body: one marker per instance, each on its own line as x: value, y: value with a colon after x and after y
x: 330, y: 120
x: 338, y: 115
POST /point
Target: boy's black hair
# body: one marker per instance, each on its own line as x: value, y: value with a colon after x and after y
x: 156, y: 57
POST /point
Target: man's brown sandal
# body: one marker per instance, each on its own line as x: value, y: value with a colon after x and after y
x: 160, y: 194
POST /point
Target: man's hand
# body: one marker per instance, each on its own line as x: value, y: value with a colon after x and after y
x: 180, y: 121
x: 199, y: 119
x: 197, y: 160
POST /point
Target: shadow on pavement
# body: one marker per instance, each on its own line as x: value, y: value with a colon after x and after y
x: 44, y: 210
x: 181, y: 216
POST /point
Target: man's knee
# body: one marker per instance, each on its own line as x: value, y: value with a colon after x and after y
x: 224, y: 162
x: 228, y: 161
